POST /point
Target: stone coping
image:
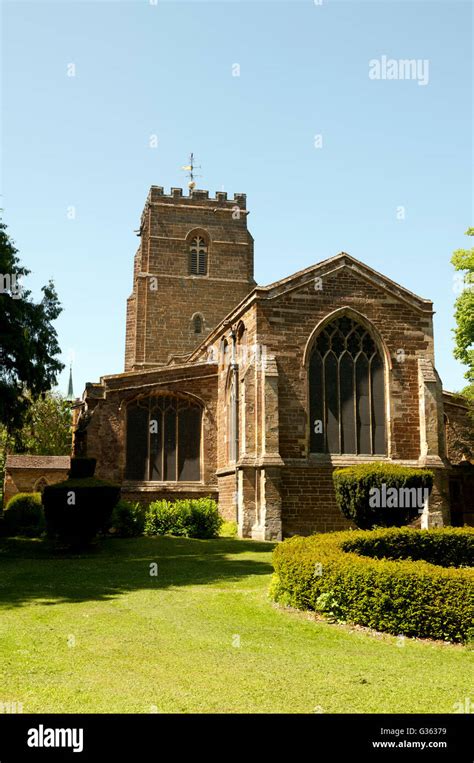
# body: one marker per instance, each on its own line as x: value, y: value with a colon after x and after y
x: 37, y: 462
x: 175, y: 487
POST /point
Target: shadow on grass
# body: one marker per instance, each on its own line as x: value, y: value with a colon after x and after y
x: 32, y: 571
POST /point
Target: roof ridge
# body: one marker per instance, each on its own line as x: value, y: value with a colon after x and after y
x: 343, y: 256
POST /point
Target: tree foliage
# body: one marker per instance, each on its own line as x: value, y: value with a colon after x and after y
x: 463, y: 260
x: 28, y: 340
x: 46, y: 429
x: 468, y: 392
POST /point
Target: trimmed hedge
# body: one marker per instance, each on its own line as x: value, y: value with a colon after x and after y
x: 454, y: 548
x: 353, y: 485
x: 77, y: 509
x: 193, y: 518
x: 24, y: 515
x: 327, y: 573
x: 127, y: 520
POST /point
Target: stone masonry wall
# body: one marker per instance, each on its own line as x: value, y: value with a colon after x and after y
x: 309, y: 502
x: 459, y: 430
x: 286, y: 323
x: 165, y: 295
x: 24, y: 480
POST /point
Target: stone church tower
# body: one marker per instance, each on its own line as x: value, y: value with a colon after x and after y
x: 193, y: 266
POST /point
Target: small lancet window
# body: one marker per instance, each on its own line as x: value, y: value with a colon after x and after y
x: 197, y: 324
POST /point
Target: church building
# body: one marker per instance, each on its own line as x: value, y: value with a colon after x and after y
x: 254, y: 394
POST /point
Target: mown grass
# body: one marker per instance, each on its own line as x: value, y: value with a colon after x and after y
x: 98, y: 633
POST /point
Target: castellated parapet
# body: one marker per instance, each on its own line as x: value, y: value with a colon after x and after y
x: 157, y: 194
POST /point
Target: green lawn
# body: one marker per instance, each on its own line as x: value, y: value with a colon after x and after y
x: 98, y: 633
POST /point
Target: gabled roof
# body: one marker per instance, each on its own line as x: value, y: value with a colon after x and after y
x: 298, y: 279
x: 345, y: 260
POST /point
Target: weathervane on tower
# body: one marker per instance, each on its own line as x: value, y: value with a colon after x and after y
x: 189, y: 168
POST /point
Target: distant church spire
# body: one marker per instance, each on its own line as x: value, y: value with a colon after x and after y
x: 70, y: 391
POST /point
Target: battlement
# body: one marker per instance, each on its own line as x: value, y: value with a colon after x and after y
x: 197, y: 197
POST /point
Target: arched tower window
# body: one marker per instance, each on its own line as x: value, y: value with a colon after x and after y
x: 197, y: 324
x: 347, y: 396
x: 198, y: 256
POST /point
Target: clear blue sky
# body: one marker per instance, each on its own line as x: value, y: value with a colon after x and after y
x: 166, y: 69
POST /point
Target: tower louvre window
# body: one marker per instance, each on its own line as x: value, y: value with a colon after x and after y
x: 198, y: 256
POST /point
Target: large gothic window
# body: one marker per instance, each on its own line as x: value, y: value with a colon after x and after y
x: 346, y: 382
x: 198, y: 256
x: 163, y: 440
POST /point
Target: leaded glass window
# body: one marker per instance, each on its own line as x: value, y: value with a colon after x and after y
x: 163, y: 440
x: 347, y: 398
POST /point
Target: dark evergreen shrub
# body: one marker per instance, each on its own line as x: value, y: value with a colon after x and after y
x: 77, y: 509
x: 82, y: 467
x: 357, y: 489
x: 24, y: 515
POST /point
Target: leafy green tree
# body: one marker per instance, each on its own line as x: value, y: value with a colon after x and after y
x: 468, y: 392
x: 463, y: 260
x: 46, y: 430
x: 28, y: 341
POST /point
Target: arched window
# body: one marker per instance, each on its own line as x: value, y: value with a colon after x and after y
x: 241, y: 331
x: 224, y: 352
x: 197, y: 324
x: 232, y: 421
x: 163, y: 440
x: 198, y: 256
x: 242, y: 349
x: 347, y: 399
